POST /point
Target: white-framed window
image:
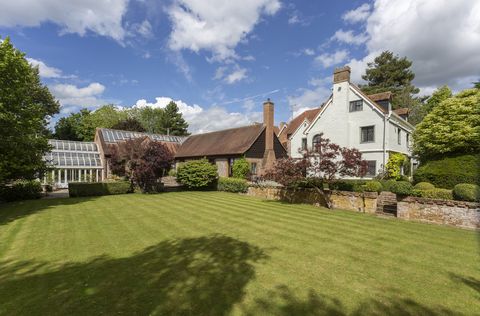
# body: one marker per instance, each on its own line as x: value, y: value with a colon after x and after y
x: 367, y: 134
x: 356, y: 106
x: 371, y: 168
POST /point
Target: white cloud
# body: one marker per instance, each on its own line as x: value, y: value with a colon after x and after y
x: 328, y: 60
x: 230, y: 75
x: 70, y: 95
x: 294, y: 19
x: 310, y: 98
x: 216, y: 26
x: 441, y: 37
x: 103, y: 17
x: 349, y: 38
x: 143, y: 29
x: 248, y: 105
x: 202, y: 120
x: 357, y: 15
x: 47, y: 71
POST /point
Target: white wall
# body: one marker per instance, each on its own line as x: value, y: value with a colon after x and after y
x: 296, y: 140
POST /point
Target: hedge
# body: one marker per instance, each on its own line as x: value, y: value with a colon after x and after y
x: 439, y: 194
x: 197, y: 174
x: 402, y: 188
x: 467, y: 192
x: 373, y: 186
x: 235, y: 185
x: 21, y: 190
x: 76, y: 189
x: 448, y: 172
x: 348, y: 185
x: 424, y: 186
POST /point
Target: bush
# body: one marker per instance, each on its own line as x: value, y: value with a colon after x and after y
x: 439, y: 194
x: 311, y: 182
x: 21, y: 190
x: 240, y: 168
x: 76, y: 189
x: 373, y: 186
x: 197, y: 174
x: 235, y: 185
x: 448, y: 172
x: 467, y: 192
x: 402, y: 188
x: 387, y: 185
x: 424, y: 186
x: 348, y: 185
x: 403, y: 178
x: 172, y: 173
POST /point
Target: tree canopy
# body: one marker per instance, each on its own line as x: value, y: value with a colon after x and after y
x: 389, y: 72
x: 173, y: 122
x: 25, y: 108
x: 70, y: 127
x: 129, y: 124
x: 452, y: 127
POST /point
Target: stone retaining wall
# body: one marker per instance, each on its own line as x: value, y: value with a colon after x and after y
x: 353, y: 201
x: 454, y: 213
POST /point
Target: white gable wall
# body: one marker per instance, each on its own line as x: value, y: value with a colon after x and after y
x: 296, y: 140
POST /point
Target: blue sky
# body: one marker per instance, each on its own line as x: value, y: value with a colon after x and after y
x: 221, y: 59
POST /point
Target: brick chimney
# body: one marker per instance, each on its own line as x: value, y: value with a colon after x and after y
x: 269, y: 155
x: 341, y: 74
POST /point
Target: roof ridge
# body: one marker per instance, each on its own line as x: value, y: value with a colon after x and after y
x: 227, y: 129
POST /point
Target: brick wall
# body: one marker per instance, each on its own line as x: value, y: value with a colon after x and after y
x: 454, y: 213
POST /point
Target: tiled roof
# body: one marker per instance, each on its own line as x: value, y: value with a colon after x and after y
x: 380, y: 96
x: 234, y: 141
x: 402, y: 111
x: 295, y: 123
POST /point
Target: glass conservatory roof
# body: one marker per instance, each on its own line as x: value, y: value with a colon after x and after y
x: 73, y: 154
x: 113, y: 136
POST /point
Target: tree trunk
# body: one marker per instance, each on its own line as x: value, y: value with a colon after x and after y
x: 326, y: 196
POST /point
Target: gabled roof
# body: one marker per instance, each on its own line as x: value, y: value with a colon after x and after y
x: 402, y: 111
x: 308, y: 115
x: 234, y: 141
x: 380, y: 96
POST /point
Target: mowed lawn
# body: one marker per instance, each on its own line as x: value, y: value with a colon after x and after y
x: 213, y: 253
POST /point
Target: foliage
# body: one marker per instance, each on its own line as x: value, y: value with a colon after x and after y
x: 144, y: 161
x: 106, y: 116
x: 21, y: 190
x: 373, y: 186
x: 348, y: 185
x: 467, y: 192
x: 424, y: 186
x: 394, y: 164
x: 387, y: 185
x: 401, y: 188
x: 453, y: 127
x: 173, y: 122
x: 308, y: 182
x: 129, y: 124
x: 70, y: 127
x: 172, y: 172
x: 391, y: 73
x: 236, y: 185
x: 240, y: 168
x: 449, y: 171
x: 437, y: 97
x: 76, y: 189
x: 25, y: 108
x: 326, y: 162
x: 149, y: 118
x: 197, y: 174
x: 436, y: 193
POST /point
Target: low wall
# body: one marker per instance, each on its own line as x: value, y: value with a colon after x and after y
x: 353, y: 201
x: 454, y: 213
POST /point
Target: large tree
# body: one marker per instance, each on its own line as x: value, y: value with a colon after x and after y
x: 173, y: 122
x: 452, y: 127
x: 418, y: 111
x: 106, y: 116
x: 129, y: 124
x: 149, y: 118
x: 26, y: 106
x: 389, y: 72
x: 70, y: 127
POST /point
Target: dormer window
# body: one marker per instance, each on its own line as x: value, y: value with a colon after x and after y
x: 356, y: 106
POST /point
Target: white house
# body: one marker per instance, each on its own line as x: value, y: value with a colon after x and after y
x: 352, y: 119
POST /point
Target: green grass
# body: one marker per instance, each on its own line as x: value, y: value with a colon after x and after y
x: 213, y: 253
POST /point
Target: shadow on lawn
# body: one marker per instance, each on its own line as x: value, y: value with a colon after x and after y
x: 195, y: 276
x: 282, y: 301
x: 12, y: 211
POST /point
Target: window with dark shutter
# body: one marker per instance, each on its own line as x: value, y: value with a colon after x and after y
x: 304, y: 144
x: 367, y: 134
x: 316, y: 143
x: 371, y: 168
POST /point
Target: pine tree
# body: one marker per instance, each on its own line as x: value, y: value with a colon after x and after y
x: 173, y: 122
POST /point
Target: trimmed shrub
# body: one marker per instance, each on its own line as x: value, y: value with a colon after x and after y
x: 197, y: 174
x: 387, y: 184
x: 424, y: 186
x: 76, y: 189
x: 235, y: 185
x: 240, y: 168
x: 439, y: 194
x: 311, y: 182
x: 348, y: 185
x: 373, y: 186
x: 21, y: 190
x: 448, y: 172
x: 402, y: 188
x: 467, y: 192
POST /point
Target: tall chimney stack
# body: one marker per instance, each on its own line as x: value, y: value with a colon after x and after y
x: 269, y: 155
x: 341, y: 74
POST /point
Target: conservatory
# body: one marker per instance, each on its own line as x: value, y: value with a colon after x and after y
x: 72, y: 161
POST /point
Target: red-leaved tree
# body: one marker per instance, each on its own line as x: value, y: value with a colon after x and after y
x: 326, y: 162
x: 142, y: 160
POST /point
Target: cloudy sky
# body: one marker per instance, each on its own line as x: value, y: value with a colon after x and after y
x: 221, y: 59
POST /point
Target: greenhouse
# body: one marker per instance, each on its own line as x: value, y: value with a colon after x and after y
x: 72, y: 161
